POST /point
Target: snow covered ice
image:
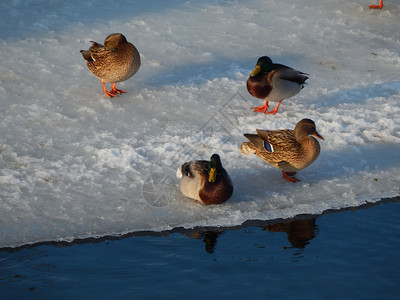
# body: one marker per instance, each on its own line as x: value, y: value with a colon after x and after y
x: 75, y: 164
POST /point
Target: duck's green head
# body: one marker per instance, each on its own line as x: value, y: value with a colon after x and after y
x: 264, y: 65
x: 214, y: 167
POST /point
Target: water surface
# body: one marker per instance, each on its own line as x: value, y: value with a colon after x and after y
x: 348, y: 254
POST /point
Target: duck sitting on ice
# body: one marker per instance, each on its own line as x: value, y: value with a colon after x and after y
x: 205, y: 181
x: 116, y: 61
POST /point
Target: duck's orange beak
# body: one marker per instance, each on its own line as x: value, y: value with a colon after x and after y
x: 318, y: 135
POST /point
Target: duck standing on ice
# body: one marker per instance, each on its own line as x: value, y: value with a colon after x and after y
x: 115, y: 61
x: 285, y: 149
x: 274, y: 82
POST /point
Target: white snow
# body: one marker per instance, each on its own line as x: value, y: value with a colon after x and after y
x: 75, y: 164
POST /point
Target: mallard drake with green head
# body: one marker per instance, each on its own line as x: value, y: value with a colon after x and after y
x: 116, y: 61
x: 274, y: 82
x: 288, y: 150
x: 205, y: 181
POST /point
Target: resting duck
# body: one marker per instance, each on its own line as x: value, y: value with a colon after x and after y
x: 205, y: 181
x: 274, y: 82
x: 288, y: 150
x: 116, y: 61
x: 379, y: 6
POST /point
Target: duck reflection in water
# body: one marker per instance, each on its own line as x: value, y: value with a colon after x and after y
x: 209, y: 238
x: 299, y: 232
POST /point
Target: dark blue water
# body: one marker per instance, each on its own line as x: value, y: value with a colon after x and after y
x: 353, y: 254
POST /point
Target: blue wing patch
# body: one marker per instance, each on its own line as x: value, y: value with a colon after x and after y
x: 268, y: 147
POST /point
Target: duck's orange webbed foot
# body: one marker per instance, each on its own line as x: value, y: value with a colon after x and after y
x: 376, y: 6
x: 109, y: 94
x: 262, y: 108
x: 379, y: 6
x: 289, y: 176
x: 272, y: 112
x: 115, y: 91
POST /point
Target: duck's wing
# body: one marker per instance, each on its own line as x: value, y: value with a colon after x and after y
x: 272, y: 140
x: 256, y: 141
x: 288, y: 73
x: 279, y: 139
x: 98, y: 51
x: 87, y: 55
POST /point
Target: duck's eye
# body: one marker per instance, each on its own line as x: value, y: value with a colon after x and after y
x: 186, y: 170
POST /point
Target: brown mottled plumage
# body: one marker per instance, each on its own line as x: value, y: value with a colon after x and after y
x: 274, y: 82
x: 116, y: 61
x: 288, y: 150
x: 205, y: 181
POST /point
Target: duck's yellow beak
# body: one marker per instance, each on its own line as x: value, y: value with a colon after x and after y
x: 255, y: 71
x: 318, y: 135
x: 213, y: 175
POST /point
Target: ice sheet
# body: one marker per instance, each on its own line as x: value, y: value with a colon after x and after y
x: 75, y: 164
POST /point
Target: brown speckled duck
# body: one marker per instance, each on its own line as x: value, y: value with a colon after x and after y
x: 274, y: 82
x: 205, y: 181
x: 116, y: 61
x: 288, y: 150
